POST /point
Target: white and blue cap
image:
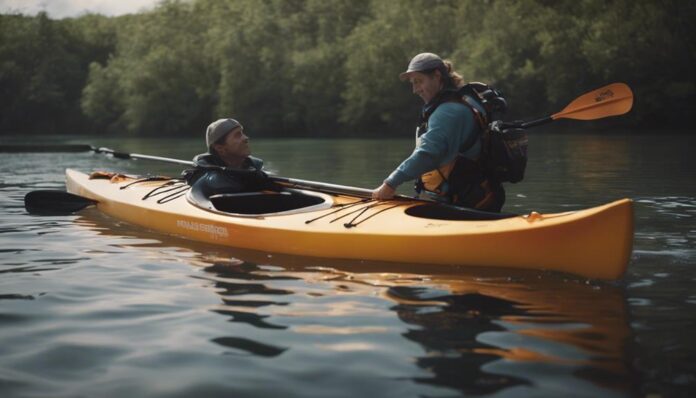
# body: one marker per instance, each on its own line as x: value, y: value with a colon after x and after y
x: 219, y: 129
x: 423, y: 62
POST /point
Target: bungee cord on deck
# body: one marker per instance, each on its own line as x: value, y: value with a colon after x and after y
x: 175, y: 187
x: 369, y: 204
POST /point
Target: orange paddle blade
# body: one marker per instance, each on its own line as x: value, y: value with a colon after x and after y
x: 614, y: 99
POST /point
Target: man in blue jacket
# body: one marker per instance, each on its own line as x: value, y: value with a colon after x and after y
x: 445, y: 162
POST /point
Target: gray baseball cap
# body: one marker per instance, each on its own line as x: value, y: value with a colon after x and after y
x: 422, y: 62
x: 219, y: 129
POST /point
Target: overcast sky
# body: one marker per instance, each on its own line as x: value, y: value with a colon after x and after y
x: 72, y: 8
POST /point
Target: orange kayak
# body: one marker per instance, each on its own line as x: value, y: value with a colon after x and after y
x: 593, y: 243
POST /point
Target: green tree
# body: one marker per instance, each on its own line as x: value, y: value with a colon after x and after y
x: 249, y: 56
x: 42, y: 72
x: 159, y: 81
x: 651, y: 46
x: 317, y: 63
x: 380, y: 48
x: 313, y: 67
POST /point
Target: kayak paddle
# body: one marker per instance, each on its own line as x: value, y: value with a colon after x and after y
x: 55, y: 202
x: 611, y: 100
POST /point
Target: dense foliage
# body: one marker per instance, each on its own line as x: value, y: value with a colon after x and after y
x: 329, y: 67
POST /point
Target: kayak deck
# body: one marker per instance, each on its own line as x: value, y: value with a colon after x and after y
x: 594, y: 243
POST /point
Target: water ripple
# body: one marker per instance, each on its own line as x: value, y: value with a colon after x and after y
x: 251, y: 346
x: 16, y: 297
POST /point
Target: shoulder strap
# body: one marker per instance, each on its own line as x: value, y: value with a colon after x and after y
x: 480, y: 120
x: 490, y: 99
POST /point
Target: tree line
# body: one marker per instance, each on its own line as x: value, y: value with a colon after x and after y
x: 330, y: 67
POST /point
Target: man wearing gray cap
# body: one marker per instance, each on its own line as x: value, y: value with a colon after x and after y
x: 228, y: 166
x: 445, y: 163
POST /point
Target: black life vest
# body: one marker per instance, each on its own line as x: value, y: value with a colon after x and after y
x: 210, y: 176
x: 466, y: 181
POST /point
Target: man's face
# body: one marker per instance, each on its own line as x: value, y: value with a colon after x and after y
x: 425, y: 86
x: 236, y: 144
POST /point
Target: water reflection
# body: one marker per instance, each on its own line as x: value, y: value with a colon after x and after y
x: 489, y: 335
x: 232, y: 279
x: 596, y: 161
x: 479, y: 331
x: 239, y: 283
x: 251, y: 346
x: 448, y: 332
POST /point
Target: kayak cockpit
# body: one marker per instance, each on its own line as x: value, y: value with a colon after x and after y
x: 261, y: 204
x: 441, y: 211
x: 255, y: 203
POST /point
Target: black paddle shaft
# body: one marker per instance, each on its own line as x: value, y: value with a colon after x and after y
x: 520, y: 124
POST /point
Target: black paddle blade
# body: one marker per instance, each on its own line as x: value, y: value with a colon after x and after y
x: 55, y: 202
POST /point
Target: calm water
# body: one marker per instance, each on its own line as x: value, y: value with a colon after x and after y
x: 90, y: 306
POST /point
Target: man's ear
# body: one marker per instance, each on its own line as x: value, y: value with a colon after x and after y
x: 218, y: 148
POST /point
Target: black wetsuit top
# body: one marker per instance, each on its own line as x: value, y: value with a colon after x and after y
x: 210, y: 176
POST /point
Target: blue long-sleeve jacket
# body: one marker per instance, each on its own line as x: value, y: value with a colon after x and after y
x: 449, y: 127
